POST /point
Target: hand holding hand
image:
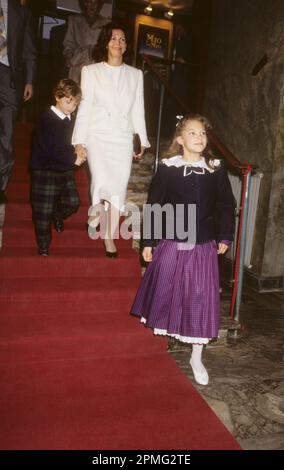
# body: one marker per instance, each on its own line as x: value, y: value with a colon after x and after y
x: 147, y: 254
x: 81, y: 151
x: 79, y: 161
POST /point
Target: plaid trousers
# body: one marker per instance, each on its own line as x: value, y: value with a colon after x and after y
x: 53, y: 195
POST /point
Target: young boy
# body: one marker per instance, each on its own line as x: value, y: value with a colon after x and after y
x: 54, y: 195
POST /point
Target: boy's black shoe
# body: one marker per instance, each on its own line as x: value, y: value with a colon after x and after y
x: 3, y: 197
x: 43, y: 251
x: 58, y: 225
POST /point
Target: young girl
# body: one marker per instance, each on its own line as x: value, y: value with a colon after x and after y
x: 179, y: 293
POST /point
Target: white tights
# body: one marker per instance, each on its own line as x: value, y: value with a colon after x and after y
x: 196, y: 357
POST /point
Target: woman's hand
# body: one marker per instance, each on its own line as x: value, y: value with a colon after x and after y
x: 222, y: 248
x: 138, y: 156
x: 147, y: 254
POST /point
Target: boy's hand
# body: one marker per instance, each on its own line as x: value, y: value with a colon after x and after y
x: 79, y: 161
x: 81, y: 151
x: 147, y: 254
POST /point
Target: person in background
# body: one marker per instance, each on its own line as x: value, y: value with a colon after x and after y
x: 54, y: 195
x: 179, y: 292
x: 17, y: 73
x: 111, y: 111
x: 81, y: 36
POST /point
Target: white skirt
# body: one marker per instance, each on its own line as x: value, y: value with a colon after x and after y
x: 109, y: 160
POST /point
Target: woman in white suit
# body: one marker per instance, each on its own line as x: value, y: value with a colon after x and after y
x: 111, y: 110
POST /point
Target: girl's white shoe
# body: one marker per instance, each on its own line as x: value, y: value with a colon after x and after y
x: 202, y: 378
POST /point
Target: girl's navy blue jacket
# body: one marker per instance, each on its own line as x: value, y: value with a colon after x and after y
x: 51, y: 147
x: 210, y: 191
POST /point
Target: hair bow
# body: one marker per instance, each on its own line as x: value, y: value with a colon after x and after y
x: 179, y: 117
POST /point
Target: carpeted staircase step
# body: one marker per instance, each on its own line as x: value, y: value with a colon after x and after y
x: 46, y: 306
x: 66, y: 324
x: 21, y: 234
x: 103, y: 292
x: 69, y: 262
x: 20, y: 211
x: 49, y: 337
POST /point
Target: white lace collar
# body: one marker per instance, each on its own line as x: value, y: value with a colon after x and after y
x: 178, y: 162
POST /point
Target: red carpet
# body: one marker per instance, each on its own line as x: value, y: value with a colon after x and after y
x: 77, y: 371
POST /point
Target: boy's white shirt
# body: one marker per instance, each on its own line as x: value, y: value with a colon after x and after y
x: 60, y: 113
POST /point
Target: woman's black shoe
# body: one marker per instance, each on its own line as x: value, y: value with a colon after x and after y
x: 111, y: 254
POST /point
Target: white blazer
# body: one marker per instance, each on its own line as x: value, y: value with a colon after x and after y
x: 106, y: 109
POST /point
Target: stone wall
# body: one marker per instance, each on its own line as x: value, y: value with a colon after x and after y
x: 247, y: 110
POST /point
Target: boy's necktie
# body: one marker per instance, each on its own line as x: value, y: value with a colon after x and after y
x: 3, y: 35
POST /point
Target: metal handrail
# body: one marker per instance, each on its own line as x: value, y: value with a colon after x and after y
x: 229, y: 156
x: 175, y: 62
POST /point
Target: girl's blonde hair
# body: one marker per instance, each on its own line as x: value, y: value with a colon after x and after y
x: 176, y: 149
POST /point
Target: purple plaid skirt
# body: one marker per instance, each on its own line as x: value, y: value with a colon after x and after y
x: 179, y: 292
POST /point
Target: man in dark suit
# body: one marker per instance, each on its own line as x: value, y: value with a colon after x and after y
x: 17, y: 71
